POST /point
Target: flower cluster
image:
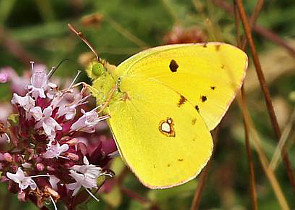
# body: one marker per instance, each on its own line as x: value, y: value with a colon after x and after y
x: 48, y: 154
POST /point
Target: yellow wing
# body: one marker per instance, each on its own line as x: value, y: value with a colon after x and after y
x: 206, y: 75
x: 161, y: 137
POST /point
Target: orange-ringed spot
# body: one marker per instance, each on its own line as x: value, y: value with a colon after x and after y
x: 166, y: 127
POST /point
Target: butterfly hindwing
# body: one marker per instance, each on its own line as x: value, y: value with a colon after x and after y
x: 159, y: 133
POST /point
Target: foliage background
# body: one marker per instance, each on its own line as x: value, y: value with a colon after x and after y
x: 37, y: 30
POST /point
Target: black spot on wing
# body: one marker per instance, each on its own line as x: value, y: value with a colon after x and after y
x: 180, y: 159
x: 173, y: 66
x: 203, y: 98
x: 194, y: 121
x: 212, y: 87
x: 205, y: 45
x: 222, y: 66
x: 181, y: 101
x: 197, y: 108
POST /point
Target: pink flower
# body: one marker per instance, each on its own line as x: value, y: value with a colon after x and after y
x: 23, y: 181
x: 9, y: 72
x: 5, y: 110
x: 46, y: 121
x: 39, y: 82
x: 53, y: 182
x: 26, y: 102
x: 68, y: 112
x: 68, y: 104
x: 44, y: 133
x: 85, y: 175
x: 3, y: 77
x: 18, y: 84
x: 51, y: 90
x: 54, y: 151
x: 88, y: 121
x: 36, y: 113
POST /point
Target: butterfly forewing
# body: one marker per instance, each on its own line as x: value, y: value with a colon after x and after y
x: 207, y: 75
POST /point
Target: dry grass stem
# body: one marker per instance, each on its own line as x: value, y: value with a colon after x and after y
x: 265, y: 89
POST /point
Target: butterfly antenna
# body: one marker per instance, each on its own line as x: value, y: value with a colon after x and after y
x: 82, y: 37
x: 53, y: 69
x: 74, y: 80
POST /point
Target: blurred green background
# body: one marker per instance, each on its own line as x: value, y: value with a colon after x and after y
x: 37, y: 30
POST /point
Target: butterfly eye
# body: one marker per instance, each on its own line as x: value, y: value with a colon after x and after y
x: 98, y: 69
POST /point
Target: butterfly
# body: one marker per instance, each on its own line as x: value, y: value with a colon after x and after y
x: 164, y: 101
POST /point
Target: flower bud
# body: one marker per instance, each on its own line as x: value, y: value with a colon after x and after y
x: 21, y: 196
x: 8, y: 157
x: 40, y: 167
x: 73, y: 156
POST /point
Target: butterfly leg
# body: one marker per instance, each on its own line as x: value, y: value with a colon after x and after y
x: 85, y: 85
x: 106, y: 103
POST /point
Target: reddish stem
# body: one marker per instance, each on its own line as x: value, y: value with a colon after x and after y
x: 265, y: 89
x: 203, y: 177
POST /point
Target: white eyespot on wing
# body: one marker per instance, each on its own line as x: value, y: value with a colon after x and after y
x: 166, y: 127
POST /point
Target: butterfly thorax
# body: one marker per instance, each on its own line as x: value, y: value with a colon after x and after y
x: 103, y: 82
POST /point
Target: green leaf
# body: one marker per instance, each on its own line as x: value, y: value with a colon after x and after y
x: 114, y: 197
x: 13, y: 119
x: 184, y: 190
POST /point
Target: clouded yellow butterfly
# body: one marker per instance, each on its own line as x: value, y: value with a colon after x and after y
x: 163, y: 102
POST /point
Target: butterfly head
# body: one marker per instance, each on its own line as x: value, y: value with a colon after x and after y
x: 99, y: 68
x: 96, y: 70
x: 103, y: 80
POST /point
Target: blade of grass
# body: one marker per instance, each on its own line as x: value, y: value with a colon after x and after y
x: 14, y: 47
x: 127, y: 34
x: 5, y: 9
x: 214, y: 21
x: 167, y: 5
x: 35, y: 32
x: 286, y: 132
x: 265, y: 89
x: 237, y: 22
x: 262, y: 157
x: 134, y: 195
x: 254, y: 18
x: 246, y: 128
x: 249, y: 156
x: 210, y: 27
x: 46, y: 10
x: 259, y: 29
x: 274, y: 38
